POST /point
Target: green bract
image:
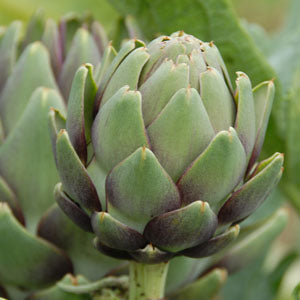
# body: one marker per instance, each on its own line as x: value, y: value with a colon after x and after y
x: 165, y: 158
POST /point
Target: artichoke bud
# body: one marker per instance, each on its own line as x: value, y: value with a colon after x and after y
x: 56, y: 51
x: 174, y: 150
x: 36, y: 69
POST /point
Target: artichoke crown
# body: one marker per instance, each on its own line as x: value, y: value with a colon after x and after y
x: 166, y: 152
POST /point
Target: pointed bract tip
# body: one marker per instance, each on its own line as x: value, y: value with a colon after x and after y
x: 279, y: 156
x: 231, y: 132
x: 52, y: 110
x: 126, y: 88
x: 4, y: 206
x: 74, y: 280
x: 36, y: 45
x: 102, y: 215
x: 271, y: 83
x: 181, y: 33
x: 144, y: 48
x: 58, y: 186
x: 223, y: 274
x: 203, y: 206
x: 237, y: 230
x: 45, y: 89
x: 240, y: 74
x: 188, y: 91
x: 139, y: 43
x: 88, y: 65
x: 143, y: 152
x: 61, y: 132
x: 165, y: 38
x: 211, y: 44
x: 132, y: 92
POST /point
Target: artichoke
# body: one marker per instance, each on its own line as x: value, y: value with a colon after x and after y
x: 33, y: 78
x: 164, y: 160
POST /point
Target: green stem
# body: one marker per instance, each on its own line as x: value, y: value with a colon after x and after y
x: 147, y: 282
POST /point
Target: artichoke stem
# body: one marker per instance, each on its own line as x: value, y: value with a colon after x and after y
x: 147, y: 282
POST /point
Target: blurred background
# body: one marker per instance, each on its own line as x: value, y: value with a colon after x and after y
x: 256, y: 11
x: 260, y: 280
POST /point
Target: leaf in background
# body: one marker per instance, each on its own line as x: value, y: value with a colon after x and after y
x: 290, y: 283
x: 248, y: 256
x: 31, y: 137
x: 277, y: 274
x: 296, y: 292
x: 283, y: 52
x: 258, y: 11
x: 10, y: 10
x: 184, y: 270
x: 252, y: 242
x: 8, y: 50
x: 208, y: 20
x: 260, y: 36
x: 25, y: 260
x: 291, y: 180
x: 55, y: 292
x: 204, y: 288
x: 34, y: 29
x: 285, y: 55
x: 62, y: 232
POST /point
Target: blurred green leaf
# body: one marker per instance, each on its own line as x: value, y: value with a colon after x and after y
x: 208, y: 20
x: 252, y: 280
x: 59, y: 230
x: 31, y: 137
x: 23, y: 81
x: 204, y: 288
x: 258, y: 11
x: 55, y: 292
x: 252, y: 241
x: 25, y: 260
x: 277, y: 274
x: 85, y: 287
x: 34, y: 29
x: 289, y: 286
x: 23, y: 9
x: 8, y: 50
x: 291, y: 180
x: 296, y: 293
x: 183, y: 270
x: 285, y: 54
x: 260, y: 36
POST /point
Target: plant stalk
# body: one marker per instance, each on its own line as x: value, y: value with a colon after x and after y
x: 147, y: 282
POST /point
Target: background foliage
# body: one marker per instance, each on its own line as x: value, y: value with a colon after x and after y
x: 265, y: 44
